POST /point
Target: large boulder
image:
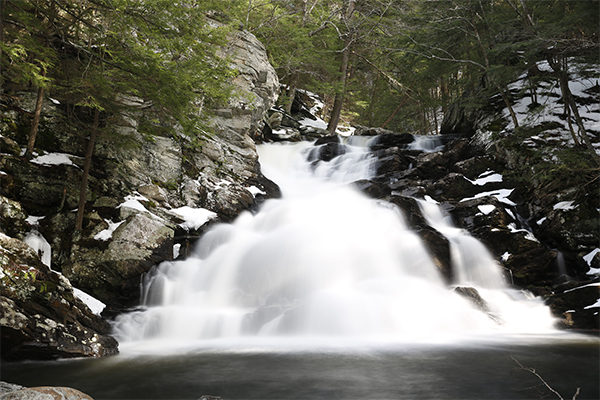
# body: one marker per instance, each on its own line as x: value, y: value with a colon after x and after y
x: 111, y: 269
x: 9, y: 391
x: 40, y: 315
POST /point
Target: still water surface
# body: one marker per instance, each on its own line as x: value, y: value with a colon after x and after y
x: 480, y: 370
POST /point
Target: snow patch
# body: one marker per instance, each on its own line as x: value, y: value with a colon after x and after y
x: 54, y: 159
x: 510, y: 213
x: 488, y: 176
x: 596, y: 304
x: 33, y: 220
x: 588, y: 259
x: 541, y: 221
x: 500, y: 194
x: 528, y: 235
x: 40, y: 245
x: 193, y: 218
x: 93, y: 303
x: 318, y: 123
x: 254, y: 190
x: 565, y: 205
x: 133, y: 202
x: 487, y: 208
x: 590, y: 256
x: 108, y: 232
x: 584, y: 286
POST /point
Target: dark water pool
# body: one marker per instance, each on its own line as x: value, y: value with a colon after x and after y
x: 476, y: 371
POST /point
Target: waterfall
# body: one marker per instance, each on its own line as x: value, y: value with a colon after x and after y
x: 324, y: 261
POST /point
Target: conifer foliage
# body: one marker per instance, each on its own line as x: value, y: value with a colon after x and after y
x: 101, y: 54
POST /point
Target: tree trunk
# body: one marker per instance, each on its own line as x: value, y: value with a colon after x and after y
x: 36, y: 122
x: 86, y: 170
x: 506, y: 99
x: 568, y: 98
x: 292, y: 92
x: 573, y: 134
x: 560, y: 67
x: 339, y: 96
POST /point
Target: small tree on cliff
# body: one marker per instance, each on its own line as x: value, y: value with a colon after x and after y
x: 162, y: 52
x: 26, y: 52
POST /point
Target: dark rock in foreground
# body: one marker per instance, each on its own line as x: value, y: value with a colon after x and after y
x: 40, y: 316
x: 9, y: 391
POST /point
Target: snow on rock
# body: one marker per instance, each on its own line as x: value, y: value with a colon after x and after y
x: 590, y: 256
x: 541, y: 221
x: 222, y: 183
x: 93, y: 303
x: 254, y: 190
x: 509, y: 212
x: 588, y: 259
x: 564, y: 205
x: 33, y: 220
x: 548, y: 109
x: 596, y: 304
x: 500, y: 194
x: 193, y: 218
x: 176, y: 250
x: 53, y: 159
x: 107, y: 233
x: 133, y: 202
x: 488, y: 176
x: 319, y: 123
x: 40, y: 245
x: 584, y: 286
x: 528, y: 235
x: 486, y: 209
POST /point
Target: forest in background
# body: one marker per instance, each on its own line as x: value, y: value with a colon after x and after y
x: 396, y: 64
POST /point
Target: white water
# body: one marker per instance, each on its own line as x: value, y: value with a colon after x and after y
x: 323, y: 262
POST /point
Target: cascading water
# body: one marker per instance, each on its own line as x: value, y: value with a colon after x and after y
x: 324, y: 261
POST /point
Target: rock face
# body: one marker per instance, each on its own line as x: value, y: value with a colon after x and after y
x: 148, y: 199
x: 10, y: 391
x: 40, y: 315
x: 539, y: 251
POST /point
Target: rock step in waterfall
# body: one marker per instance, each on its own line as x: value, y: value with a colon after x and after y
x: 326, y: 260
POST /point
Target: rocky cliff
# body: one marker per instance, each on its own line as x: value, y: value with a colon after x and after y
x: 149, y: 197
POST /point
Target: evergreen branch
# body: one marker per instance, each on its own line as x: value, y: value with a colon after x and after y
x: 388, y: 76
x: 325, y: 24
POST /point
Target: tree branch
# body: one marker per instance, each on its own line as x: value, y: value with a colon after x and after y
x: 532, y: 370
